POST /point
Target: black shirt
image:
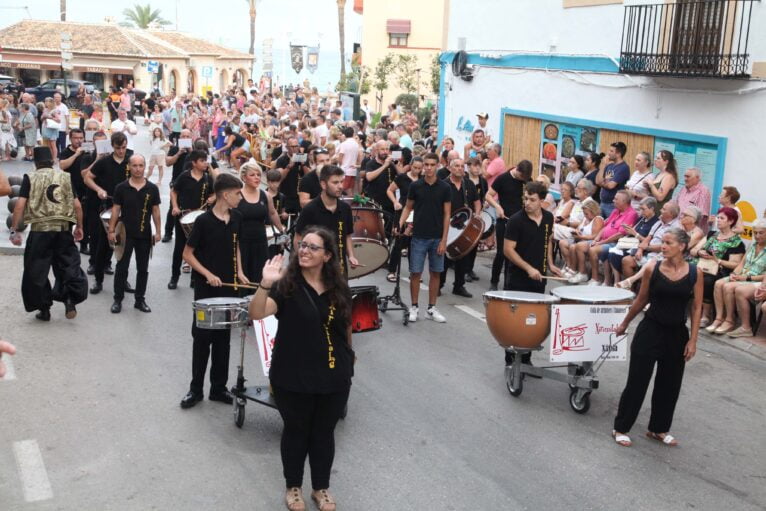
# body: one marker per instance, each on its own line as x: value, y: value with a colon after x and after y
x: 442, y: 173
x: 429, y: 207
x: 215, y: 244
x: 376, y: 189
x: 108, y: 173
x: 403, y: 182
x: 531, y: 245
x: 178, y: 166
x: 465, y: 197
x: 310, y: 184
x: 510, y: 193
x: 311, y: 352
x: 254, y: 215
x: 279, y: 204
x: 289, y: 184
x: 192, y: 194
x: 136, y: 207
x: 481, y: 188
x: 78, y: 185
x: 340, y: 222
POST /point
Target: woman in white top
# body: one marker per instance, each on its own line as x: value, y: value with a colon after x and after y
x: 636, y: 185
x: 575, y: 252
x: 155, y: 118
x: 563, y: 212
x: 550, y: 202
x: 564, y: 230
x: 575, y: 169
x: 157, y: 158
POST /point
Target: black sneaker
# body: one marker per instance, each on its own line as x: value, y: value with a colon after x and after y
x: 71, y: 310
x: 191, y: 399
x: 473, y: 276
x: 222, y: 397
x: 109, y: 270
x: 91, y: 270
x: 44, y: 315
x: 129, y: 288
x: 492, y: 287
x: 462, y: 291
x: 167, y: 238
x: 84, y: 249
x: 173, y: 284
x: 96, y: 289
x: 142, y: 306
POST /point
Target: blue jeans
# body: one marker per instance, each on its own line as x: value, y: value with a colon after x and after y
x: 422, y: 247
x: 606, y: 209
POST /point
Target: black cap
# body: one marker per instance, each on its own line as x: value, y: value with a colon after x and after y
x: 42, y: 154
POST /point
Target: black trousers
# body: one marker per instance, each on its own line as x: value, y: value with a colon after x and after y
x: 173, y: 137
x: 92, y: 223
x: 85, y: 241
x: 43, y: 251
x: 142, y: 248
x: 178, y: 250
x: 103, y: 257
x: 309, y: 430
x: 498, y: 263
x: 664, y: 346
x: 254, y: 254
x: 471, y: 259
x: 460, y: 267
x: 61, y: 142
x: 213, y: 344
x: 170, y: 222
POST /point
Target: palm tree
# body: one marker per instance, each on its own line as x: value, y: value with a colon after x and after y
x: 252, y: 27
x: 62, y: 9
x: 342, y: 34
x: 142, y: 17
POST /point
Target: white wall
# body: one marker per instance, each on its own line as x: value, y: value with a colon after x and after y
x: 739, y: 118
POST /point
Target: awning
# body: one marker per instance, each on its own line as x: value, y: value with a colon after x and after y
x: 398, y: 26
x: 23, y: 64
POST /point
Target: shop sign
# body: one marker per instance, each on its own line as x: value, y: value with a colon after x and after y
x: 103, y: 70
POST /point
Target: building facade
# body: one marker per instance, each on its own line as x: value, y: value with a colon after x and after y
x: 111, y: 55
x: 688, y: 77
x: 402, y: 27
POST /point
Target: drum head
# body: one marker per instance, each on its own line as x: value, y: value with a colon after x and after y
x: 223, y: 300
x: 592, y: 294
x: 520, y: 296
x: 371, y: 253
x: 191, y: 216
x: 488, y: 221
x: 106, y: 215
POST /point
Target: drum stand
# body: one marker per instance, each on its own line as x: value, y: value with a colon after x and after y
x: 395, y: 297
x: 581, y: 377
x: 258, y: 393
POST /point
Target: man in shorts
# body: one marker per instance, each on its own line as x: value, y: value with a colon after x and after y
x: 431, y: 200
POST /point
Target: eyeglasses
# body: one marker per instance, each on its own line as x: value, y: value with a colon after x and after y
x: 320, y: 151
x: 314, y: 248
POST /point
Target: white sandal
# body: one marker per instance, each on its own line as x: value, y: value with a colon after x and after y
x: 665, y: 438
x: 621, y: 439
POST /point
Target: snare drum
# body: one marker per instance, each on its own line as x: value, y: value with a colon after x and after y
x: 593, y: 294
x: 221, y: 313
x: 518, y: 319
x: 489, y: 225
x: 187, y: 220
x: 364, y: 309
x: 465, y: 231
x: 368, y: 237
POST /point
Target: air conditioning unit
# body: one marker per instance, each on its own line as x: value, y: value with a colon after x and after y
x: 460, y: 67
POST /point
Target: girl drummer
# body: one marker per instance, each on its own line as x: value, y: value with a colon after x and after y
x: 312, y: 362
x: 661, y: 338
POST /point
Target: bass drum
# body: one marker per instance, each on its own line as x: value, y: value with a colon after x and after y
x: 368, y: 238
x: 465, y: 230
x: 364, y: 309
x: 489, y: 225
x: 187, y: 220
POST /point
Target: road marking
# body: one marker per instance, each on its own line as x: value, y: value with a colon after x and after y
x: 422, y: 286
x: 471, y: 312
x: 34, y: 478
x: 10, y: 372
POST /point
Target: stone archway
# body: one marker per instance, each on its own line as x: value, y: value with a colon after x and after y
x: 173, y: 82
x: 191, y: 82
x: 224, y: 80
x: 240, y: 76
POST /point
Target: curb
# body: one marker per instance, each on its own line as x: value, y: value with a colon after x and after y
x: 743, y: 344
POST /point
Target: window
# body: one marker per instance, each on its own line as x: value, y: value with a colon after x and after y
x: 397, y: 40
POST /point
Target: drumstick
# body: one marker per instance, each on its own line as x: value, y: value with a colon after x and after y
x: 243, y: 286
x: 555, y: 278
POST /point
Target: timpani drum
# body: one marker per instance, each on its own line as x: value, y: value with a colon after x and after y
x: 221, y: 313
x: 517, y: 318
x: 187, y: 220
x: 593, y: 294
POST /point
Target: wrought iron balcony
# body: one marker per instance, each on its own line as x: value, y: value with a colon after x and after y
x: 688, y: 38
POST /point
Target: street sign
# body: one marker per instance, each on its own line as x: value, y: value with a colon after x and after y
x: 207, y: 71
x: 66, y: 45
x: 153, y: 66
x: 66, y: 55
x: 66, y: 36
x: 67, y: 66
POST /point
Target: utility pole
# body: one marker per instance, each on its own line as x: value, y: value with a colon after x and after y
x: 418, y: 96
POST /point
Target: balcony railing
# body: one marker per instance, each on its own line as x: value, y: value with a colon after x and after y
x: 688, y: 38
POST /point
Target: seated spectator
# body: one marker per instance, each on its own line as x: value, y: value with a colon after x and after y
x: 550, y: 202
x: 724, y: 248
x: 648, y: 216
x: 690, y: 219
x: 728, y: 198
x: 649, y: 248
x: 564, y: 230
x: 732, y: 294
x: 636, y: 185
x: 614, y: 229
x: 575, y: 251
x: 575, y: 169
x: 563, y: 211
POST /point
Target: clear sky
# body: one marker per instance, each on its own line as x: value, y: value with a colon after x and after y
x: 221, y: 21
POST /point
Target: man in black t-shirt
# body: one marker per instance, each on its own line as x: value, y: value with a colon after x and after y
x: 177, y: 159
x: 210, y: 250
x: 327, y: 210
x: 136, y: 204
x: 102, y: 178
x: 463, y: 195
x: 70, y: 161
x: 430, y: 199
x: 380, y: 172
x: 309, y: 186
x: 291, y: 171
x: 91, y: 204
x: 506, y: 195
x: 192, y: 190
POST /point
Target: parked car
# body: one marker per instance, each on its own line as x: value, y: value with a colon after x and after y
x: 47, y: 89
x: 5, y: 81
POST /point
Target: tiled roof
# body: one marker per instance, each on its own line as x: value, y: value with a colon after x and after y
x: 107, y: 39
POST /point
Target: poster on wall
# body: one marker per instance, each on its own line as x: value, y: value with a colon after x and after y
x: 691, y: 154
x: 559, y: 142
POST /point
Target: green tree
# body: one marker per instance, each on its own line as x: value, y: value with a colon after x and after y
x: 383, y: 70
x: 350, y: 81
x: 406, y: 73
x: 252, y: 26
x: 436, y: 73
x: 142, y: 17
x: 342, y: 35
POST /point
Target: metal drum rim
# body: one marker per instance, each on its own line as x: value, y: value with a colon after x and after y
x: 495, y: 295
x: 561, y: 291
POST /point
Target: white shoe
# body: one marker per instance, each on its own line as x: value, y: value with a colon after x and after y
x: 578, y: 278
x: 434, y: 314
x: 569, y: 272
x: 594, y: 282
x: 413, y: 314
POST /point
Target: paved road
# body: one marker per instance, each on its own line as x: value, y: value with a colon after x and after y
x: 91, y: 421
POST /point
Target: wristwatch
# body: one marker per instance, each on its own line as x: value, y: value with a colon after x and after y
x: 749, y: 278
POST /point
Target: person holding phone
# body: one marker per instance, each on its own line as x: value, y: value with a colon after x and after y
x: 292, y: 171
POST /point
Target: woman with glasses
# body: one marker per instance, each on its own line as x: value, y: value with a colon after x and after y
x: 312, y: 361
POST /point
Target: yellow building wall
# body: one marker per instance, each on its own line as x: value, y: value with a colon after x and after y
x: 427, y: 37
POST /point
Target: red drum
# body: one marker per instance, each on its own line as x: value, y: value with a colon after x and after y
x: 369, y: 237
x: 364, y: 309
x: 465, y: 230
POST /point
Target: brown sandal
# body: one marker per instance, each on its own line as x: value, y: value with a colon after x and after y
x: 323, y: 500
x: 294, y: 499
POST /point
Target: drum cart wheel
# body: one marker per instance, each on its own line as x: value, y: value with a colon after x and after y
x: 239, y: 412
x: 579, y: 404
x: 515, y: 390
x: 405, y: 318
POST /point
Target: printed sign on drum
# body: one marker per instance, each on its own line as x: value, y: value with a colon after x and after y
x: 265, y: 334
x: 585, y: 333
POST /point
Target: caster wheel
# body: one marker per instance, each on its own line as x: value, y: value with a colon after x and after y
x: 383, y: 306
x: 515, y: 391
x: 239, y: 415
x: 579, y: 406
x: 405, y: 318
x: 572, y: 387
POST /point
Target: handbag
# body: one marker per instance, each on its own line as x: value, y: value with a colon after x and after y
x: 52, y: 124
x: 709, y: 266
x: 627, y: 243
